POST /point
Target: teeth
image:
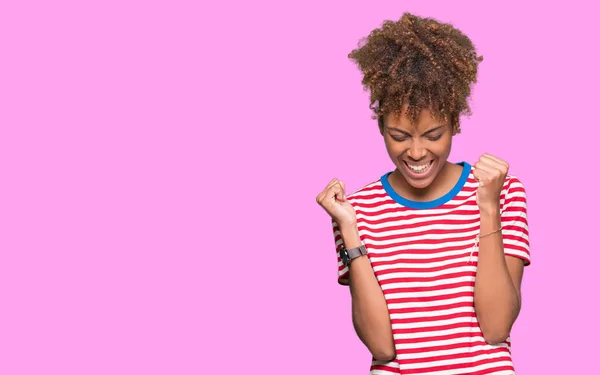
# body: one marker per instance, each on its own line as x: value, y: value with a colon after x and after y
x: 419, y: 168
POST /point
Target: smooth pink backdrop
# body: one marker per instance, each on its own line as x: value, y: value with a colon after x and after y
x: 160, y: 160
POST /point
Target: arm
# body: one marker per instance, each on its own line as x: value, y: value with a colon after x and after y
x: 503, y: 254
x: 498, y: 282
x: 370, y: 315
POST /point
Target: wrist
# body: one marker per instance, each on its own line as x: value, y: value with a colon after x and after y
x: 350, y: 236
x: 490, y: 210
x: 489, y: 219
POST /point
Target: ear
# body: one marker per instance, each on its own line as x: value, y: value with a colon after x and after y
x: 455, y: 124
x: 380, y: 124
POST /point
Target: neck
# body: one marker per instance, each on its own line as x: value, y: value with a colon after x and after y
x: 442, y: 183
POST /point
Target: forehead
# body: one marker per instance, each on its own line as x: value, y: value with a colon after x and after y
x: 425, y: 121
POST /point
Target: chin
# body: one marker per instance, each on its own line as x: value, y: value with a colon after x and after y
x: 419, y: 184
x: 415, y: 181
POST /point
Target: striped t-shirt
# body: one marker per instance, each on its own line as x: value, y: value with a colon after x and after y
x: 425, y: 260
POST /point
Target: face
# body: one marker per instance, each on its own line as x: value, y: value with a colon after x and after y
x: 419, y: 151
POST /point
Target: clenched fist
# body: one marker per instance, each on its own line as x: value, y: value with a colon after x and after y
x: 334, y: 202
x: 491, y: 172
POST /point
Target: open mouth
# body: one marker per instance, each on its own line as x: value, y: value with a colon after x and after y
x: 419, y: 168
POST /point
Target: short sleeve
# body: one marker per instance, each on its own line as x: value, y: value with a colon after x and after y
x: 515, y: 231
x: 342, y: 270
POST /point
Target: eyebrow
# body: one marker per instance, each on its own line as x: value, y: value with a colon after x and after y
x: 407, y: 133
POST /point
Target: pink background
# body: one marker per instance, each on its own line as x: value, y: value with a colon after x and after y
x: 160, y: 161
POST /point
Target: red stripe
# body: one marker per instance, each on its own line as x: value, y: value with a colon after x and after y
x: 432, y: 298
x: 438, y: 318
x: 515, y: 219
x: 455, y: 366
x: 408, y: 310
x: 423, y: 261
x: 517, y: 228
x: 392, y: 370
x: 442, y: 347
x: 516, y: 238
x: 452, y: 336
x: 440, y: 249
x: 431, y: 288
x: 516, y: 248
x: 514, y: 199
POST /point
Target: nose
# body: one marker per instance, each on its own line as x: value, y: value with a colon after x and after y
x: 416, y: 151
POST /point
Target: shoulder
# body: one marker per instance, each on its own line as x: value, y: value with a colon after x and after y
x: 372, y: 190
x: 512, y: 183
x: 513, y: 192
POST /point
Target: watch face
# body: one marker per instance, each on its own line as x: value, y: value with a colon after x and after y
x: 344, y: 256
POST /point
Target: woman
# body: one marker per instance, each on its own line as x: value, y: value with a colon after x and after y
x: 433, y: 251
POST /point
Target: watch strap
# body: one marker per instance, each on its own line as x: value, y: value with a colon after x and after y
x: 348, y: 254
x: 355, y: 252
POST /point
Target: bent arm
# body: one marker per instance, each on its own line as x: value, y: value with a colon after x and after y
x: 370, y: 315
x: 497, y: 284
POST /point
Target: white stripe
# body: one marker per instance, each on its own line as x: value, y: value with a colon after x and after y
x: 461, y: 266
x: 519, y: 203
x: 405, y: 248
x: 517, y: 232
x: 403, y: 258
x: 408, y: 305
x: 437, y: 293
x: 517, y: 253
x: 435, y: 353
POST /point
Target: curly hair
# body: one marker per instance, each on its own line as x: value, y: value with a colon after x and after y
x: 419, y: 62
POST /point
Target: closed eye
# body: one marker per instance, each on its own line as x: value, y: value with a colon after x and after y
x: 435, y: 138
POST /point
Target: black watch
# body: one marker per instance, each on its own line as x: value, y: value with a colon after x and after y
x: 348, y: 254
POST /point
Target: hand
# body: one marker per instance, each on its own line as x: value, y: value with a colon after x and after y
x: 334, y: 202
x: 491, y: 172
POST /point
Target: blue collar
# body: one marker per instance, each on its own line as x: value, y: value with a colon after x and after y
x: 429, y: 204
